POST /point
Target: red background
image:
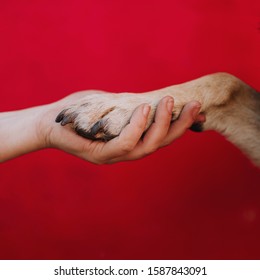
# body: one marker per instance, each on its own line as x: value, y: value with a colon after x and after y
x: 198, y: 198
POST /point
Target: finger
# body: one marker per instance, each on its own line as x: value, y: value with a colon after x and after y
x: 169, y: 132
x: 159, y: 129
x: 129, y: 136
x: 155, y: 134
x: 200, y: 118
x: 187, y: 117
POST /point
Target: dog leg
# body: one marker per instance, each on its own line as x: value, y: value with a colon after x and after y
x: 231, y: 107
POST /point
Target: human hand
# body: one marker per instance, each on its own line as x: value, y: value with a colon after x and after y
x: 129, y: 145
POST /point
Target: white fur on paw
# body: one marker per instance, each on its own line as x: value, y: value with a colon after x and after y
x: 103, y: 116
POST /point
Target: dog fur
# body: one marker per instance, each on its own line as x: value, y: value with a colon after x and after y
x: 232, y: 108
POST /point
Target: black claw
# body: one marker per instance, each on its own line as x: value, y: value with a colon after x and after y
x: 65, y: 119
x: 97, y: 127
x: 85, y: 134
x: 197, y: 127
x: 89, y: 135
x: 108, y: 137
x: 68, y: 119
x: 60, y: 117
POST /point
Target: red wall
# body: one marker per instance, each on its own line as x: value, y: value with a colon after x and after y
x: 198, y: 198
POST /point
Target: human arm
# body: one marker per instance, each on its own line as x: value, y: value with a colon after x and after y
x: 34, y: 128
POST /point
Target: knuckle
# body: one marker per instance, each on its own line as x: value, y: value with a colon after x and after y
x: 127, y: 146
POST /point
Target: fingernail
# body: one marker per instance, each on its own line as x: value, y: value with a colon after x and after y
x: 195, y: 112
x: 170, y: 105
x: 201, y: 118
x: 146, y: 110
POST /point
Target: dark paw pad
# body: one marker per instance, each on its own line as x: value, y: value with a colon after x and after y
x: 197, y: 127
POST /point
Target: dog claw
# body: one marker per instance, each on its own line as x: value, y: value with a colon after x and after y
x: 85, y: 134
x: 60, y: 117
x: 65, y: 119
x: 97, y: 127
x: 94, y: 137
x: 68, y: 119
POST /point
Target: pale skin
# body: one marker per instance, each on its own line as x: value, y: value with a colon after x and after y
x: 33, y: 129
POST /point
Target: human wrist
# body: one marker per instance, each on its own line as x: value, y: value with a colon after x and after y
x: 44, y: 124
x: 20, y: 132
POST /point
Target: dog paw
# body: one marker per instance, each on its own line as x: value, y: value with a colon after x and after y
x: 103, y: 116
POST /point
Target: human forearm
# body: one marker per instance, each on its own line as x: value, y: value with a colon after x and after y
x: 20, y: 132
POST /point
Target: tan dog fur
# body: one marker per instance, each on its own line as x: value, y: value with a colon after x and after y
x: 231, y: 107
